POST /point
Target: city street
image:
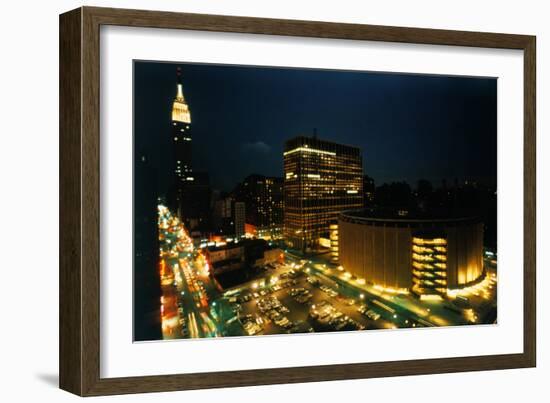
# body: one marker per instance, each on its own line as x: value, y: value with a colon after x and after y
x: 294, y: 296
x: 188, y: 281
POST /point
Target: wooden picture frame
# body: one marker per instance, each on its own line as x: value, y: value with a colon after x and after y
x: 79, y: 347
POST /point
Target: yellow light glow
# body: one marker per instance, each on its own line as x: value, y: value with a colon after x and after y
x: 434, y: 241
x: 390, y: 290
x: 422, y: 258
x: 309, y: 150
x: 180, y: 112
x: 482, y: 288
x: 431, y: 297
x: 422, y: 249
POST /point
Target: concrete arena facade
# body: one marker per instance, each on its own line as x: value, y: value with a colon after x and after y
x: 380, y: 250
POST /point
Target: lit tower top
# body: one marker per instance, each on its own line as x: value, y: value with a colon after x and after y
x: 180, y: 109
x: 181, y: 135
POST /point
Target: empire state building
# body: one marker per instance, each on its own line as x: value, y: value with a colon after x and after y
x: 192, y: 189
x: 181, y: 130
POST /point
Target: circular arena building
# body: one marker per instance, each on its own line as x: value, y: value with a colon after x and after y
x: 426, y: 253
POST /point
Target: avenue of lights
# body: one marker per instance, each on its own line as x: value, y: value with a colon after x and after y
x: 380, y: 270
x: 178, y: 278
x: 303, y: 295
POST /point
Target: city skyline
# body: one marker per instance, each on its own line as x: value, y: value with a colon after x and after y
x: 320, y: 249
x: 233, y: 109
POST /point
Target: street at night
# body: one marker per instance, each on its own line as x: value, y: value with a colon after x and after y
x: 296, y: 296
x: 283, y: 230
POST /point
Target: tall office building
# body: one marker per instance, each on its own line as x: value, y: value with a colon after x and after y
x: 263, y: 196
x: 181, y: 133
x: 240, y: 214
x: 192, y: 189
x: 196, y: 203
x: 222, y: 214
x: 321, y: 180
x: 228, y: 217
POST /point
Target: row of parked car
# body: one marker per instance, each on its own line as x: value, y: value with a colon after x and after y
x: 269, y: 303
x: 301, y: 295
x: 275, y: 310
x: 292, y: 273
x: 250, y: 325
x: 253, y: 295
x: 329, y: 291
x: 329, y: 318
x: 369, y: 313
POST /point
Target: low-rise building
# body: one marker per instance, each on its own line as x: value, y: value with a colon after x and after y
x: 241, y: 255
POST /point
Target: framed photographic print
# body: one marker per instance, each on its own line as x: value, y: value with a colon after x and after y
x: 249, y: 201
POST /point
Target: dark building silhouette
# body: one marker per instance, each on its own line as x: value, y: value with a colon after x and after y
x: 369, y: 189
x: 424, y: 194
x: 236, y: 262
x: 196, y: 196
x: 222, y: 215
x: 147, y: 290
x: 228, y: 216
x: 395, y: 194
x: 263, y: 198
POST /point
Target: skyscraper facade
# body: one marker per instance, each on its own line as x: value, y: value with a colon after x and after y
x: 263, y: 196
x: 240, y: 214
x: 192, y: 189
x: 321, y: 180
x: 181, y: 134
x: 228, y: 217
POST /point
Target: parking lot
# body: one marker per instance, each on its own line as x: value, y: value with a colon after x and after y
x: 301, y: 296
x: 300, y: 303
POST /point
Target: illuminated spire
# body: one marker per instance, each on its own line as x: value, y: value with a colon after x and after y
x: 180, y: 109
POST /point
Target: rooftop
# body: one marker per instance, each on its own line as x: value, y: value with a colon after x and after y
x: 410, y: 215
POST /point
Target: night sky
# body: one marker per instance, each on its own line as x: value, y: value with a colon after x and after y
x: 408, y: 127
